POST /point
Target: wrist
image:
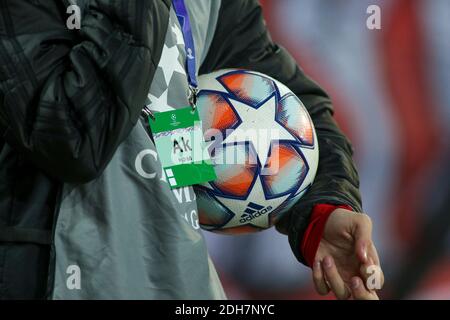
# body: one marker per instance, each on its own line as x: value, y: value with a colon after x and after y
x: 314, y: 232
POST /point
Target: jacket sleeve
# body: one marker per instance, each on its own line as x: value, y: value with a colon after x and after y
x: 241, y: 40
x: 68, y: 98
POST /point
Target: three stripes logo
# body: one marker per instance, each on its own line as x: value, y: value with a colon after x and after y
x: 253, y: 211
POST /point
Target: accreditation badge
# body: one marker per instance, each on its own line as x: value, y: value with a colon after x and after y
x: 179, y: 141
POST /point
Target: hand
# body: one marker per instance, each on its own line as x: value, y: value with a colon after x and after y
x: 345, y: 255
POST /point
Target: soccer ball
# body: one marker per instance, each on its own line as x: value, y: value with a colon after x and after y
x: 263, y: 145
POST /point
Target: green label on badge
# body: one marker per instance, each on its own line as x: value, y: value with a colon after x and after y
x: 179, y: 141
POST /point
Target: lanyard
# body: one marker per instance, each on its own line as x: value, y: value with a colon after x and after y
x: 186, y: 28
x: 185, y: 164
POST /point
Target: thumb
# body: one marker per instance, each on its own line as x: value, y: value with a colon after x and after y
x: 363, y: 236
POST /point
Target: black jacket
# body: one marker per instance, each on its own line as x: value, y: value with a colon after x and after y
x: 68, y: 98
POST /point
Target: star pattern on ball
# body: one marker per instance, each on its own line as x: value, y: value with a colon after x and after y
x: 263, y: 117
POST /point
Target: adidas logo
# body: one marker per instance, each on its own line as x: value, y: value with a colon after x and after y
x: 253, y: 211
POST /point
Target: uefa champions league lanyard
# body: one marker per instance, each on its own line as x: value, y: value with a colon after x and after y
x: 178, y: 134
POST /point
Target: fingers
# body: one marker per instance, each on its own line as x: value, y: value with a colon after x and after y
x: 373, y: 268
x: 372, y: 252
x: 372, y: 275
x: 359, y: 291
x: 363, y: 237
x: 335, y: 281
x: 319, y: 279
